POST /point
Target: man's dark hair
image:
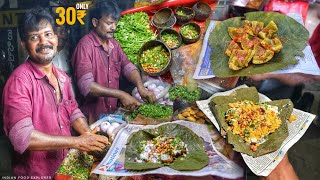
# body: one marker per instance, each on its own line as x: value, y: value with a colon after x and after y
x: 105, y: 8
x: 31, y: 20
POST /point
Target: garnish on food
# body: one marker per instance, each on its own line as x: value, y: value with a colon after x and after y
x: 161, y: 149
x: 252, y: 122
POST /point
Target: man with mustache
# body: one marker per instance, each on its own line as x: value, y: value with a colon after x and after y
x: 98, y: 62
x: 39, y: 107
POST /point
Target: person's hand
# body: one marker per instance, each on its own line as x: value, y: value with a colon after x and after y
x: 89, y: 141
x: 283, y: 171
x: 128, y: 102
x: 259, y: 77
x: 146, y: 95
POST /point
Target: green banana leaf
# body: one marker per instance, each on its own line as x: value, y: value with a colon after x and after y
x: 273, y: 141
x: 292, y: 34
x: 196, y: 158
x: 250, y: 94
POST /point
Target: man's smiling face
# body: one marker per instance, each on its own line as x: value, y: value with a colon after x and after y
x: 41, y: 45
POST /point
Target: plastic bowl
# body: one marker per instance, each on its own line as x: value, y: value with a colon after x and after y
x: 192, y: 40
x: 182, y: 19
x: 202, y: 11
x: 170, y: 31
x: 149, y: 45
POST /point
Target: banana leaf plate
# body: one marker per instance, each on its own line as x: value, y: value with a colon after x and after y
x: 219, y: 107
x: 293, y: 36
x: 195, y: 159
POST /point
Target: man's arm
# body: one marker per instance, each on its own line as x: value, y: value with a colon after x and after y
x: 131, y: 72
x: 291, y: 79
x: 126, y: 99
x: 85, y: 142
x: 82, y: 65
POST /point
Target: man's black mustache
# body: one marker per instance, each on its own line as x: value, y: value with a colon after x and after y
x: 43, y: 47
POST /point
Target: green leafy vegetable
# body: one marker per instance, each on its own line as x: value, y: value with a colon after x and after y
x: 133, y: 30
x: 182, y: 92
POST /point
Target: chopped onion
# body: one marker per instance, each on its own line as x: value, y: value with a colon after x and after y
x: 161, y: 88
x: 104, y: 126
x: 151, y: 86
x: 166, y: 96
x: 115, y: 124
x: 110, y: 130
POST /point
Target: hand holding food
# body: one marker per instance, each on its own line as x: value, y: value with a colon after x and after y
x: 129, y: 102
x: 90, y: 142
x: 147, y: 95
x: 158, y: 88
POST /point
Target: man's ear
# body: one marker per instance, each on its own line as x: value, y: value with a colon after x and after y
x: 23, y: 44
x: 95, y: 22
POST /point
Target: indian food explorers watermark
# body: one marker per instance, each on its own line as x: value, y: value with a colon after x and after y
x: 26, y: 177
x: 70, y: 15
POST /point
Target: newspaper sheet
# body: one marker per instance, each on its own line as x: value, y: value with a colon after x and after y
x: 219, y: 165
x: 307, y: 64
x: 263, y: 165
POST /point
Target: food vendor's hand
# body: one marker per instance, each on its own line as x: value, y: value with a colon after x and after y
x: 146, y: 95
x: 91, y: 142
x: 129, y: 102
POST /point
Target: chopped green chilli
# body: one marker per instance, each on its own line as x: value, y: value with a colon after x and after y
x: 182, y: 92
x: 156, y: 111
x: 181, y: 13
x: 171, y: 40
x: 154, y: 59
x: 189, y: 31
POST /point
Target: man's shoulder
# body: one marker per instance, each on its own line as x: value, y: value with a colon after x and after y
x: 87, y: 40
x: 22, y: 70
